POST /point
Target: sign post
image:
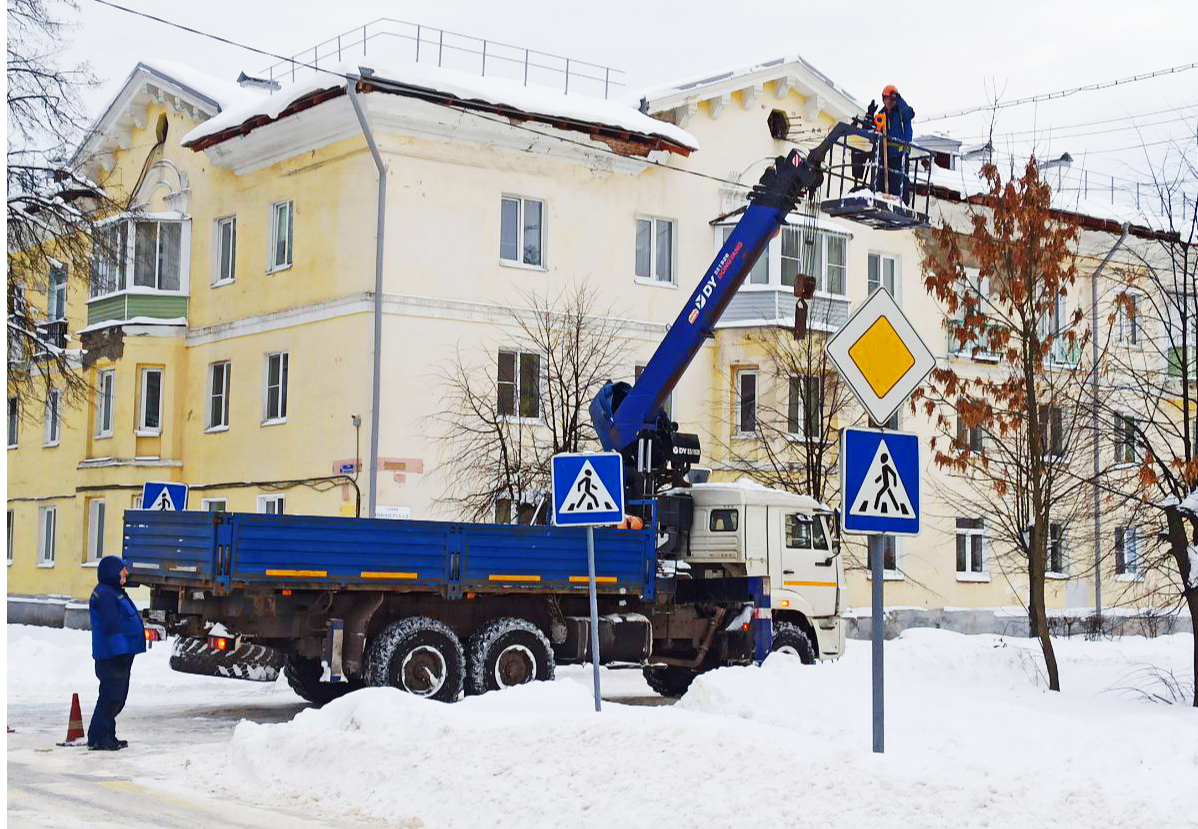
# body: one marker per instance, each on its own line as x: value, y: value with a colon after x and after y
x: 882, y: 359
x: 588, y: 490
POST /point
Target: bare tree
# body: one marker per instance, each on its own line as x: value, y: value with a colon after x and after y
x: 53, y: 208
x: 507, y: 411
x: 1008, y: 433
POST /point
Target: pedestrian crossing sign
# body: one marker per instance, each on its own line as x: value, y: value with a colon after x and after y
x: 163, y: 497
x: 588, y: 489
x: 879, y: 482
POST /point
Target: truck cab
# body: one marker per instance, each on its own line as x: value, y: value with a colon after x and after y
x: 746, y: 529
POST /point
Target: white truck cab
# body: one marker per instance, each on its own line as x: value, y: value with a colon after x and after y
x: 745, y: 528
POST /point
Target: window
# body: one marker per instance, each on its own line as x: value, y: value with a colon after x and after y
x: 882, y: 269
x: 136, y: 502
x: 519, y: 384
x: 95, y: 529
x: 760, y: 275
x: 14, y: 421
x: 282, y: 219
x: 157, y: 252
x: 149, y: 418
x: 218, y: 395
x: 724, y: 521
x: 971, y: 546
x: 887, y: 547
x: 1056, y: 549
x: 822, y: 256
x: 274, y: 398
x: 226, y: 250
x: 1129, y: 323
x: 1127, y: 551
x: 804, y: 532
x: 109, y: 259
x: 892, y: 423
x: 521, y: 230
x: 970, y: 437
x: 9, y: 547
x: 518, y: 511
x: 53, y: 418
x: 1127, y: 440
x: 655, y: 249
x: 56, y: 294
x: 269, y: 504
x: 216, y: 504
x: 668, y: 405
x: 804, y: 410
x: 105, y: 386
x: 1052, y: 431
x: 46, y: 525
x: 746, y: 402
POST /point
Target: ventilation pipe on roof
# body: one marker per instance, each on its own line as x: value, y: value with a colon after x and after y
x: 351, y: 90
x: 250, y: 82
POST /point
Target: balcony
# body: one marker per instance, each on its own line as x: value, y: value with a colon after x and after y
x: 827, y: 312
x: 51, y: 335
x: 139, y: 305
x: 978, y: 348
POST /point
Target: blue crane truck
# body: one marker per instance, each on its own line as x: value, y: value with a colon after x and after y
x: 716, y: 574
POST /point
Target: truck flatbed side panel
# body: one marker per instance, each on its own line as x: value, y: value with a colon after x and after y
x: 170, y: 547
x: 555, y: 559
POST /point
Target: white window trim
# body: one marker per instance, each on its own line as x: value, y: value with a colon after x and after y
x: 887, y: 575
x: 738, y: 373
x: 217, y: 254
x: 542, y: 377
x: 97, y: 432
x: 672, y: 282
x: 94, y: 539
x: 55, y: 424
x: 220, y: 427
x: 206, y: 504
x: 267, y: 420
x: 1138, y: 573
x: 1056, y: 574
x: 16, y: 432
x: 142, y: 429
x: 130, y: 249
x: 897, y: 293
x: 520, y: 263
x: 773, y: 254
x: 263, y: 500
x: 271, y: 265
x: 42, y: 514
x: 801, y: 436
x: 969, y: 575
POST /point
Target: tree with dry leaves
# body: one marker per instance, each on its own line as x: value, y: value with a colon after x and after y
x: 507, y: 408
x: 1009, y: 436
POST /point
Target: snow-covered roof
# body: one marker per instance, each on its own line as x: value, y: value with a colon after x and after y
x: 449, y: 86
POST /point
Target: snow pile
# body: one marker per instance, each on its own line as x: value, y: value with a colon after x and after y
x: 972, y: 740
x: 493, y: 90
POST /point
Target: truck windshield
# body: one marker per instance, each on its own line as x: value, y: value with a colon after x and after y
x: 805, y: 532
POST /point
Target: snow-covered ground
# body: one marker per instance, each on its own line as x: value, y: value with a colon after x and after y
x: 972, y: 740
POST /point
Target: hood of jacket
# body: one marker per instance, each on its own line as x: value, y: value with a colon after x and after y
x: 109, y: 571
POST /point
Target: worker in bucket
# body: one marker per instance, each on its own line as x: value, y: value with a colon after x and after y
x: 117, y: 636
x: 895, y: 121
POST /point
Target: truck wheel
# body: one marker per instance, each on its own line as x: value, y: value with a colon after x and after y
x: 257, y: 663
x: 303, y: 675
x: 792, y: 639
x: 669, y: 681
x: 506, y: 652
x: 419, y: 655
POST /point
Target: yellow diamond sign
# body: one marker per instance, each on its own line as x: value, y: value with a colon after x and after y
x: 881, y: 356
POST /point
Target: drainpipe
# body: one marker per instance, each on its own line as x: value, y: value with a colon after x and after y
x: 351, y: 90
x: 1094, y: 420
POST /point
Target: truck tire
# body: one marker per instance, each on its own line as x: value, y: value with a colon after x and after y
x: 256, y: 663
x: 792, y: 639
x: 670, y: 681
x: 419, y: 655
x: 303, y: 675
x: 506, y: 652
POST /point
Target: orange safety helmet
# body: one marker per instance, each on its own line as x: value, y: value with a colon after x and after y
x: 889, y: 89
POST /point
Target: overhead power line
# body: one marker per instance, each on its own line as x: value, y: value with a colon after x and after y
x: 1064, y: 93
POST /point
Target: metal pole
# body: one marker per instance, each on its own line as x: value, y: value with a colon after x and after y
x: 350, y: 87
x: 526, y: 67
x: 484, y: 58
x: 877, y: 634
x: 440, y: 46
x: 418, y: 44
x: 594, y: 610
x: 567, y: 76
x: 606, y: 79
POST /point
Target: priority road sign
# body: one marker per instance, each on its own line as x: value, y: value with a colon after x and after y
x: 879, y: 480
x: 588, y: 489
x: 160, y: 496
x: 880, y: 355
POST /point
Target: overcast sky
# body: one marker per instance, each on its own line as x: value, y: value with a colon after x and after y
x: 942, y: 54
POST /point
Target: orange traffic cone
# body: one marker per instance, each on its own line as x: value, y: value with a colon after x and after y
x: 75, y: 734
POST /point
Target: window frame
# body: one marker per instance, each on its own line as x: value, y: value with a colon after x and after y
x: 520, y: 213
x: 158, y: 260
x: 279, y: 416
x: 1134, y: 337
x: 888, y: 574
x: 218, y: 253
x: 983, y: 551
x: 52, y: 419
x: 732, y: 526
x: 12, y: 520
x: 800, y: 407
x: 517, y: 386
x: 1123, y: 572
x: 207, y: 503
x: 223, y: 426
x: 123, y: 279
x: 273, y: 265
x: 654, y: 251
x: 1127, y: 442
x: 882, y: 257
x: 1061, y: 534
x: 143, y: 429
x: 738, y: 401
x: 105, y: 404
x: 56, y: 293
x: 777, y: 279
x: 47, y: 516
x: 274, y: 498
x: 14, y: 422
x: 95, y: 536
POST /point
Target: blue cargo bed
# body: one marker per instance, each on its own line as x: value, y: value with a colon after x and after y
x: 222, y: 550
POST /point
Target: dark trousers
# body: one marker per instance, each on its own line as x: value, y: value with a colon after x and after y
x: 114, y: 690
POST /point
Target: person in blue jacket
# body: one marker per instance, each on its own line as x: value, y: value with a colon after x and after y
x: 117, y: 636
x: 898, y: 114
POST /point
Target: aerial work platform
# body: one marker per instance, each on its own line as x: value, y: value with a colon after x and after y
x: 874, y: 180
